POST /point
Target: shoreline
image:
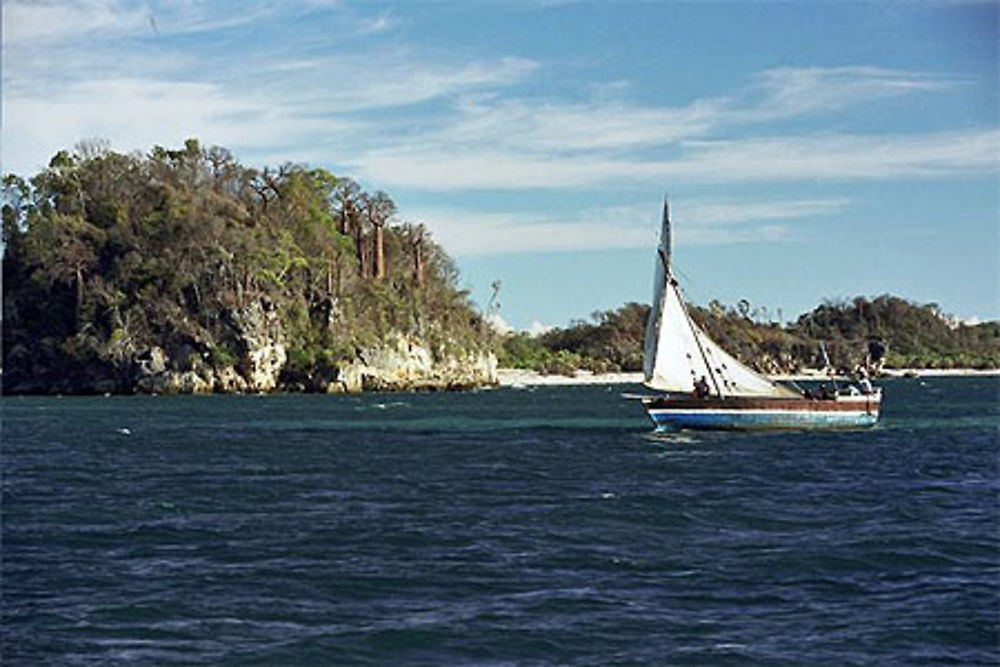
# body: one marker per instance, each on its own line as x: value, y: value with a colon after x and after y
x: 515, y: 377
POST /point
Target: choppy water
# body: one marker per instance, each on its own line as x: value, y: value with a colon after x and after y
x: 500, y: 527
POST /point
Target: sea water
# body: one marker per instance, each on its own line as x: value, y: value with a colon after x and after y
x: 504, y: 527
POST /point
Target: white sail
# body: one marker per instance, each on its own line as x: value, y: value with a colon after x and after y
x: 678, y: 353
x: 675, y: 362
x: 734, y: 378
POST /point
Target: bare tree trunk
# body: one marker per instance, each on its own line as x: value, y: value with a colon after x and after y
x: 419, y: 263
x: 362, y: 255
x: 345, y: 219
x: 337, y: 279
x: 379, y: 253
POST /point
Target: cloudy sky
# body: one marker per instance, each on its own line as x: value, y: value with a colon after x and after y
x: 811, y: 150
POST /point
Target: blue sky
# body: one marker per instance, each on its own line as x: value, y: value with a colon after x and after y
x: 811, y: 150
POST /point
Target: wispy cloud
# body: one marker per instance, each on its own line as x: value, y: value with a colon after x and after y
x: 608, y: 121
x: 785, y: 158
x: 47, y: 22
x: 735, y: 212
x: 785, y: 92
x: 472, y: 233
x: 306, y: 105
x: 36, y: 126
x: 381, y: 23
x: 488, y: 142
x: 840, y: 157
x: 362, y: 83
x: 548, y: 127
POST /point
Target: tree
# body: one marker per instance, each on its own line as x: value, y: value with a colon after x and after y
x: 379, y: 209
x: 346, y: 196
x: 66, y: 247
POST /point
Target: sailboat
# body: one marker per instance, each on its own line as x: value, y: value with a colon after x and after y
x: 699, y: 385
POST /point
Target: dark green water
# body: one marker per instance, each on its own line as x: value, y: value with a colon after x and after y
x: 499, y: 528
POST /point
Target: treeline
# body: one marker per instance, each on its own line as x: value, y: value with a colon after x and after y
x: 914, y: 335
x: 108, y: 254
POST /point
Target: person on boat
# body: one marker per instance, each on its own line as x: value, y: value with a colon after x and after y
x: 701, y: 387
x: 864, y: 383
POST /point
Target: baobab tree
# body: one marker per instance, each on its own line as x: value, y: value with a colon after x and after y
x: 380, y: 208
x: 345, y: 198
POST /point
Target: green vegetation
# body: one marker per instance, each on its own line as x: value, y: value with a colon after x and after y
x: 915, y: 336
x: 612, y: 343
x: 110, y: 255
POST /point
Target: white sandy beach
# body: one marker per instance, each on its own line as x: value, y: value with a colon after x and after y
x: 513, y: 377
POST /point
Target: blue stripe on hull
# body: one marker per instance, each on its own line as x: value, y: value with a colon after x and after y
x: 762, y: 419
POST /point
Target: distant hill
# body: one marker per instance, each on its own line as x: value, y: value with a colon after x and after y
x: 183, y: 270
x: 914, y: 335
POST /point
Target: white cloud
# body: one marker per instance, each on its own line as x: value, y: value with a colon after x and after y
x: 399, y: 79
x: 381, y: 23
x: 43, y: 115
x: 136, y: 113
x: 792, y: 91
x: 499, y: 324
x: 610, y: 122
x: 490, y: 142
x: 839, y: 156
x: 58, y: 24
x: 93, y: 68
x: 536, y: 328
x: 467, y: 233
x: 552, y: 128
x: 734, y: 212
x: 40, y: 21
x: 470, y: 233
x: 781, y: 158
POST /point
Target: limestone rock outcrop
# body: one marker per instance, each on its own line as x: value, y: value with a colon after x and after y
x: 402, y: 363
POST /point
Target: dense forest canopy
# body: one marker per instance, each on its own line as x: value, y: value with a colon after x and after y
x: 107, y: 255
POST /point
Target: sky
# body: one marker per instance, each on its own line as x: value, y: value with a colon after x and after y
x: 810, y: 150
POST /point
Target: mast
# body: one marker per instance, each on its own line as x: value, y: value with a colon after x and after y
x: 666, y: 239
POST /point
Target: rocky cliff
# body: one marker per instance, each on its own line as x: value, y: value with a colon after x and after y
x: 400, y: 363
x: 397, y: 363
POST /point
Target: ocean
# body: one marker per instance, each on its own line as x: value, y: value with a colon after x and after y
x: 542, y: 526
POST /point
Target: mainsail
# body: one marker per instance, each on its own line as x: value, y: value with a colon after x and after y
x: 678, y: 353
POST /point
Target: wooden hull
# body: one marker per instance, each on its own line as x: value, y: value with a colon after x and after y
x: 670, y: 413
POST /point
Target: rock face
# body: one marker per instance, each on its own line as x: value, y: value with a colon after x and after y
x: 403, y: 363
x: 400, y: 363
x: 253, y: 359
x: 262, y: 341
x: 259, y: 341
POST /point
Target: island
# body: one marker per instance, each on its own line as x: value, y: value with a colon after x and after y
x: 183, y: 271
